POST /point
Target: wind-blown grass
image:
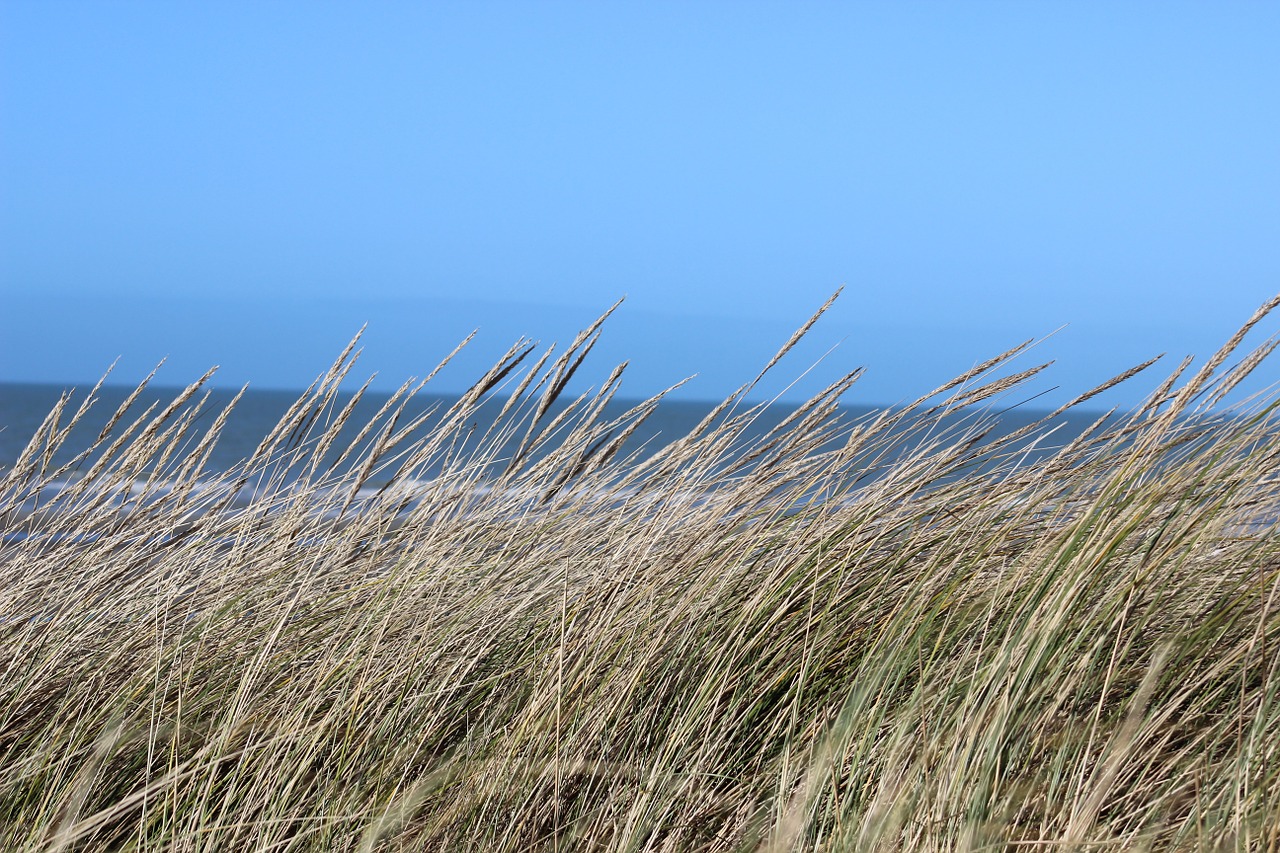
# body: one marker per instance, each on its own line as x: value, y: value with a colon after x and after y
x: 901, y: 633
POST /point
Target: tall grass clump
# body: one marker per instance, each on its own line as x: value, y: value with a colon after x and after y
x: 908, y: 631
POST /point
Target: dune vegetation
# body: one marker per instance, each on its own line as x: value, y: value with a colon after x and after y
x: 898, y: 632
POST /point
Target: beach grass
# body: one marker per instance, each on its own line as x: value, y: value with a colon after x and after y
x: 901, y: 632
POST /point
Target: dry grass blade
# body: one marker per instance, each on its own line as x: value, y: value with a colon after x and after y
x: 795, y: 338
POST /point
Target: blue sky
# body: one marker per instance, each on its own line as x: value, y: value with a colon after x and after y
x: 247, y: 183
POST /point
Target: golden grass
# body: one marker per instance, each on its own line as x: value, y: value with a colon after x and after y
x: 719, y: 646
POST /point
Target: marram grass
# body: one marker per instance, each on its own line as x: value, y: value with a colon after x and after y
x: 899, y: 633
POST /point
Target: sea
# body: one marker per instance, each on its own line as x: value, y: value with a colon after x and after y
x: 24, y: 407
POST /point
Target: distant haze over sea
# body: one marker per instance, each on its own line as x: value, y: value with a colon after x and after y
x: 287, y: 342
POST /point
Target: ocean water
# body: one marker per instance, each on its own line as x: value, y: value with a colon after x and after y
x: 23, y: 408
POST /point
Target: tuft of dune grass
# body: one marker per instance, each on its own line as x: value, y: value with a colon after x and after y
x: 904, y: 632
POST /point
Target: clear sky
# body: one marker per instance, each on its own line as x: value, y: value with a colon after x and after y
x: 247, y: 183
